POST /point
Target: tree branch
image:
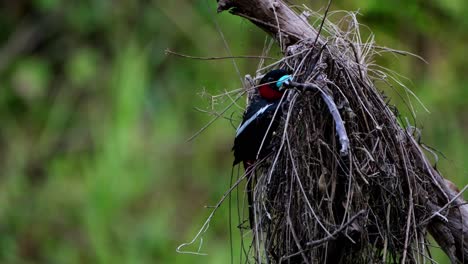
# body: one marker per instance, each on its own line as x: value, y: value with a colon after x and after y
x: 275, y: 17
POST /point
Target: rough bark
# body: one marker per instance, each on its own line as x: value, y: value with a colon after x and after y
x: 275, y: 17
x: 448, y: 224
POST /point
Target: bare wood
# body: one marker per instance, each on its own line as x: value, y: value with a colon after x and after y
x: 451, y: 235
x: 449, y: 230
x: 275, y: 17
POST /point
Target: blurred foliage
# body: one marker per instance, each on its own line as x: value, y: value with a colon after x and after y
x: 95, y: 117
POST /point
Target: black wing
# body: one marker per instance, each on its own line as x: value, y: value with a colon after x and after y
x: 252, y: 130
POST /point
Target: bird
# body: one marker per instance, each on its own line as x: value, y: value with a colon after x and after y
x: 257, y: 126
x: 254, y: 134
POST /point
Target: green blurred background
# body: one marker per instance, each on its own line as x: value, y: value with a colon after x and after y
x: 95, y: 166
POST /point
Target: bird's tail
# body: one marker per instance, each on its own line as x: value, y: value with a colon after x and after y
x: 249, y: 170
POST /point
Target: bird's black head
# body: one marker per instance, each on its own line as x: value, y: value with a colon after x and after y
x: 269, y: 87
x: 273, y: 76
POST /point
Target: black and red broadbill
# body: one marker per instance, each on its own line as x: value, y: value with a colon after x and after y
x: 253, y: 135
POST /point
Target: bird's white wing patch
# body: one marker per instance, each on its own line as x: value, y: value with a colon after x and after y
x: 251, y: 119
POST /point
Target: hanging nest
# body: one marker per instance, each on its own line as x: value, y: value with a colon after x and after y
x: 312, y: 203
x: 315, y: 205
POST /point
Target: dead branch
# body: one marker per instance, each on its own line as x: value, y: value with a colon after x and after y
x: 275, y: 17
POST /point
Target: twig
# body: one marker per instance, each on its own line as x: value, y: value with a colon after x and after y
x: 170, y: 52
x: 215, y: 118
x: 306, y: 199
x: 332, y: 236
x: 339, y: 124
x: 206, y: 225
x: 437, y: 213
x: 339, y: 230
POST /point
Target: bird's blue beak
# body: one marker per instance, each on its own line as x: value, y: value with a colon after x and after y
x: 283, y: 80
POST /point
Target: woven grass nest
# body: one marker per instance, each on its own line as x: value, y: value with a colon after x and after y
x: 313, y: 205
x: 377, y: 202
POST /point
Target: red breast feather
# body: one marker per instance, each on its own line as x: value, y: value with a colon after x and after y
x: 269, y: 93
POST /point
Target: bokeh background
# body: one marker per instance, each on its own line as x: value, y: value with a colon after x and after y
x: 95, y: 166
